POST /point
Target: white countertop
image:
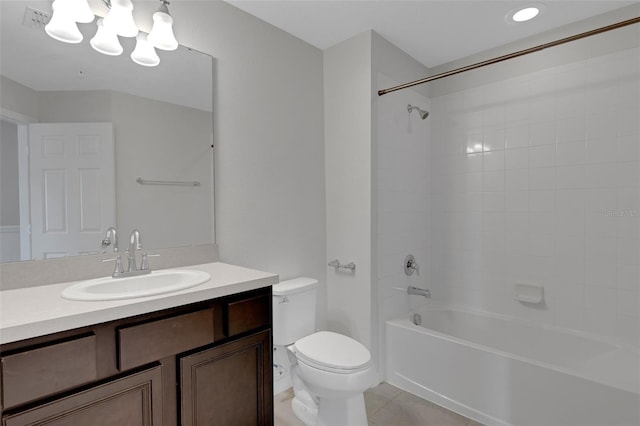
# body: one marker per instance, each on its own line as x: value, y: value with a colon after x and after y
x: 37, y: 311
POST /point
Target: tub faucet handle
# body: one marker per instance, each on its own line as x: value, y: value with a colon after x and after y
x: 410, y: 265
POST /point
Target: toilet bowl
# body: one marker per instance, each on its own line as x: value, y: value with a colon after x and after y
x: 329, y: 371
x: 336, y: 370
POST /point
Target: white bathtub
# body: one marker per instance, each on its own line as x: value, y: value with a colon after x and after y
x: 501, y: 371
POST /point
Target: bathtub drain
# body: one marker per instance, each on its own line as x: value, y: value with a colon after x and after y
x: 416, y: 319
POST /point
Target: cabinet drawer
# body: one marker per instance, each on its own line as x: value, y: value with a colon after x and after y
x: 42, y: 371
x: 248, y: 314
x: 149, y: 342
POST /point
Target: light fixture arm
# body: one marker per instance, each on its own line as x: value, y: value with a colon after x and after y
x: 163, y: 7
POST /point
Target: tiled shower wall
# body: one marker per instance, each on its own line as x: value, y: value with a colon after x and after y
x: 402, y: 202
x: 536, y: 180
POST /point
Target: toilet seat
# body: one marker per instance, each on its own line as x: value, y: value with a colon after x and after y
x: 333, y: 352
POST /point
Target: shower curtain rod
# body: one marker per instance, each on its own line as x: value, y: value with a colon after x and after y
x: 511, y: 55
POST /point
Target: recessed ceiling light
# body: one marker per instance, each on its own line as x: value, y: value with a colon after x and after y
x: 525, y: 13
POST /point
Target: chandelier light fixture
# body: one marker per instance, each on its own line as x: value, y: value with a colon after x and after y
x: 161, y: 35
x: 106, y: 41
x: 120, y: 18
x: 119, y: 22
x: 66, y: 14
x: 144, y: 53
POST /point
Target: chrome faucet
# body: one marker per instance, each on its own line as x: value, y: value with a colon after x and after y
x: 419, y: 291
x: 110, y: 239
x: 135, y: 243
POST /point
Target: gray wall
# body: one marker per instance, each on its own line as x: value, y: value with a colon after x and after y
x: 9, y: 211
x: 268, y: 115
x: 347, y: 96
x: 18, y: 98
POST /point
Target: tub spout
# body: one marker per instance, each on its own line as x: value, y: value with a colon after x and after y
x: 419, y: 291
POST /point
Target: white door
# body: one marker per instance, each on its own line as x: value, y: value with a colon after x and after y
x: 72, y: 186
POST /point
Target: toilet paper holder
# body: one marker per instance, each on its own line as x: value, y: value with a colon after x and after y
x: 351, y: 266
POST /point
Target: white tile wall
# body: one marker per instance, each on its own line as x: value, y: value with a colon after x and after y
x: 402, y: 192
x: 537, y: 180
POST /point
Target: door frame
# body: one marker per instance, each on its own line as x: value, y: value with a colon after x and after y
x: 22, y: 122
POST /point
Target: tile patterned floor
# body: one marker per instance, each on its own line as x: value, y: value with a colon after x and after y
x: 386, y: 406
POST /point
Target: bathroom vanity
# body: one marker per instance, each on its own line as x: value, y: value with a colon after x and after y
x: 197, y: 356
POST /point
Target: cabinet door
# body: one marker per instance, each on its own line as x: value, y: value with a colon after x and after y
x: 134, y: 400
x: 228, y: 384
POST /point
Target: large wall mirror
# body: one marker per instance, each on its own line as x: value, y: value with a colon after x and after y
x: 90, y: 141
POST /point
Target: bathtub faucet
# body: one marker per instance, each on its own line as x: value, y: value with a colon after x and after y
x: 419, y: 291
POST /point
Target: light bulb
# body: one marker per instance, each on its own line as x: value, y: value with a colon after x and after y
x: 81, y: 11
x: 161, y: 35
x: 144, y: 53
x: 120, y: 18
x: 62, y: 25
x: 106, y: 41
x: 526, y: 14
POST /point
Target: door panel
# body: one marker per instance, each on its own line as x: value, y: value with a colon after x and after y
x: 55, y: 200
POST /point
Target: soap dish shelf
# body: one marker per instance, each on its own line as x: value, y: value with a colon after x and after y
x: 529, y: 293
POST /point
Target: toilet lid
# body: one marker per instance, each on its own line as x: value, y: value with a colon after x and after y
x: 333, y: 351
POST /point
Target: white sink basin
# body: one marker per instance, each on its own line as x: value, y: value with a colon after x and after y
x: 157, y: 282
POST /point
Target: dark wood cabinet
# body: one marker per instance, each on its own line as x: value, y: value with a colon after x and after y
x: 31, y: 374
x: 207, y: 363
x: 239, y: 372
x: 134, y: 400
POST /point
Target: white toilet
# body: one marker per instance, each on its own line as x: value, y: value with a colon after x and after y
x: 329, y: 371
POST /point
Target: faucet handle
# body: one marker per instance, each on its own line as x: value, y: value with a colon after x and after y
x: 410, y: 265
x: 104, y: 244
x: 144, y: 264
x: 118, y: 269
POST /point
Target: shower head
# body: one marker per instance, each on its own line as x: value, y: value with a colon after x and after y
x: 423, y: 114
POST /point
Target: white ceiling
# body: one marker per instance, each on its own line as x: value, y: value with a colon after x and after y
x: 432, y: 31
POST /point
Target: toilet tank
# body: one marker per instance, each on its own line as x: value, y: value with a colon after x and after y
x: 294, y: 310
